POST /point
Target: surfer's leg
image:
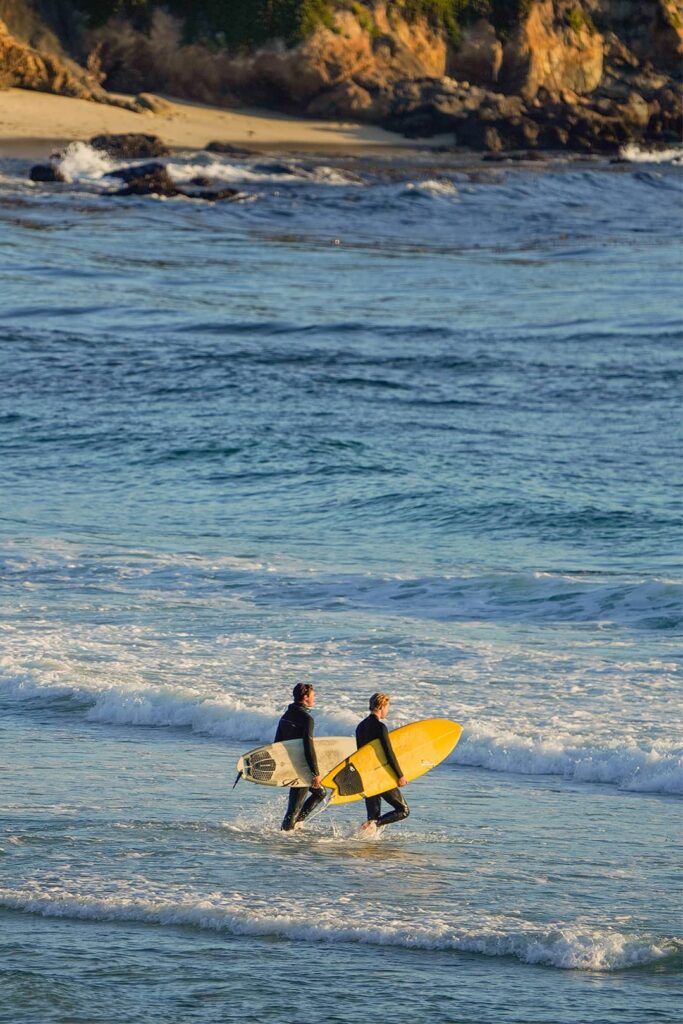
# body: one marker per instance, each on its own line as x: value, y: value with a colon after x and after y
x: 297, y: 795
x: 373, y: 805
x: 314, y: 799
x: 397, y: 800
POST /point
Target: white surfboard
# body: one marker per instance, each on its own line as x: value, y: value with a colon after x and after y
x: 284, y: 763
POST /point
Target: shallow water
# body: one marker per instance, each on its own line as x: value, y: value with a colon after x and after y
x: 375, y: 426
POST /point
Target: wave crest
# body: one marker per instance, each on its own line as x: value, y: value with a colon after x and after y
x: 573, y: 946
x: 655, y: 768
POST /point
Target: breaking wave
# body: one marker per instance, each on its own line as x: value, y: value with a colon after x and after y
x: 649, y: 768
x: 634, y: 153
x: 571, y: 946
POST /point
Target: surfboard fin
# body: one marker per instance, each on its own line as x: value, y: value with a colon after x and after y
x: 239, y: 776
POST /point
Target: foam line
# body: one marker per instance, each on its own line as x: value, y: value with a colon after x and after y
x: 575, y: 946
x: 626, y: 765
x: 622, y: 763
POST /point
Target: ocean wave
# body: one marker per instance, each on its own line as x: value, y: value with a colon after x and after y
x: 656, y: 769
x: 79, y: 162
x: 442, y: 188
x: 526, y: 597
x: 497, y: 597
x: 571, y: 946
x: 223, y: 716
x: 634, y: 153
x: 648, y: 768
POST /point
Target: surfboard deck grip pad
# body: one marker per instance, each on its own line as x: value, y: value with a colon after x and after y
x: 260, y: 765
x: 348, y: 781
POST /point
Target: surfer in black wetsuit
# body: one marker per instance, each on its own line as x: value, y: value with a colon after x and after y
x: 297, y: 724
x: 373, y: 728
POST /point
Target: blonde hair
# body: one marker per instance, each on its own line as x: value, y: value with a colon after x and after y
x: 378, y: 700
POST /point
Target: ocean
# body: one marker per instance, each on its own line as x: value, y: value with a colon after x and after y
x: 400, y: 423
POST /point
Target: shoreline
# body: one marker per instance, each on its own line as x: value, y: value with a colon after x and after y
x: 34, y: 124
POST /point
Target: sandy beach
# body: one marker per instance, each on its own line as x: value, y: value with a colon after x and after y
x: 33, y: 124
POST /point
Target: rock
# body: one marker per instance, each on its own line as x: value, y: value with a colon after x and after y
x: 492, y: 140
x: 45, y: 172
x: 23, y: 67
x: 480, y: 54
x: 148, y: 101
x: 666, y: 120
x: 211, y: 195
x: 154, y: 179
x: 544, y: 51
x: 635, y: 111
x: 155, y: 182
x: 132, y: 146
x: 136, y: 171
x: 346, y: 100
x: 228, y: 149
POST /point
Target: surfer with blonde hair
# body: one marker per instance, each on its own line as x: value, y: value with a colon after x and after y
x: 373, y: 728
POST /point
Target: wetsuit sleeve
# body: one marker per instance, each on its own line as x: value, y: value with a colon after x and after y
x: 309, y: 749
x: 389, y: 750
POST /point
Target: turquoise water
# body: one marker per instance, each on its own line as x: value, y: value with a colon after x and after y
x: 376, y: 426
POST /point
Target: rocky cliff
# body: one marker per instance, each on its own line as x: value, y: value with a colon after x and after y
x: 499, y: 74
x: 32, y: 56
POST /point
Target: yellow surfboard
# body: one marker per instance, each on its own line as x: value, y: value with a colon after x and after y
x: 418, y: 748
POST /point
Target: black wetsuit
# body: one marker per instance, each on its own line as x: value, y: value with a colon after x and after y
x: 297, y: 724
x: 372, y: 728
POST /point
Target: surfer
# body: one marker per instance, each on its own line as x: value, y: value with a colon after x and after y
x: 297, y: 724
x: 373, y: 728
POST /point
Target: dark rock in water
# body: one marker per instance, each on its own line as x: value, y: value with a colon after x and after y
x: 156, y: 182
x: 136, y: 171
x: 45, y: 172
x: 273, y: 167
x: 133, y: 146
x: 210, y: 195
x: 228, y: 149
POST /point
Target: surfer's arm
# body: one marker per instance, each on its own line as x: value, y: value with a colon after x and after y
x: 389, y: 751
x: 309, y: 750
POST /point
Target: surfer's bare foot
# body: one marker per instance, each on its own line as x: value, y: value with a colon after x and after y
x: 369, y: 827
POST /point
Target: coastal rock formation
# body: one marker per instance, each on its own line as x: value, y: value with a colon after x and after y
x: 142, y: 180
x: 579, y: 74
x: 556, y: 47
x: 130, y: 146
x: 479, y: 56
x: 23, y: 67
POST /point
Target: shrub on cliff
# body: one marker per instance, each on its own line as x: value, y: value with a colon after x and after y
x: 247, y: 24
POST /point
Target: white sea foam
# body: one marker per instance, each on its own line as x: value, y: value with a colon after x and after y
x: 576, y: 945
x: 225, y: 716
x: 258, y: 171
x: 81, y: 161
x: 655, y: 767
x: 440, y: 187
x: 224, y: 171
x: 658, y: 769
x: 637, y: 154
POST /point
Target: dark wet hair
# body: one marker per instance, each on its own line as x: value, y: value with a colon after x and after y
x: 302, y: 690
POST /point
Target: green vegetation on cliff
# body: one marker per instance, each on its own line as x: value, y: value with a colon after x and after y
x: 245, y: 24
